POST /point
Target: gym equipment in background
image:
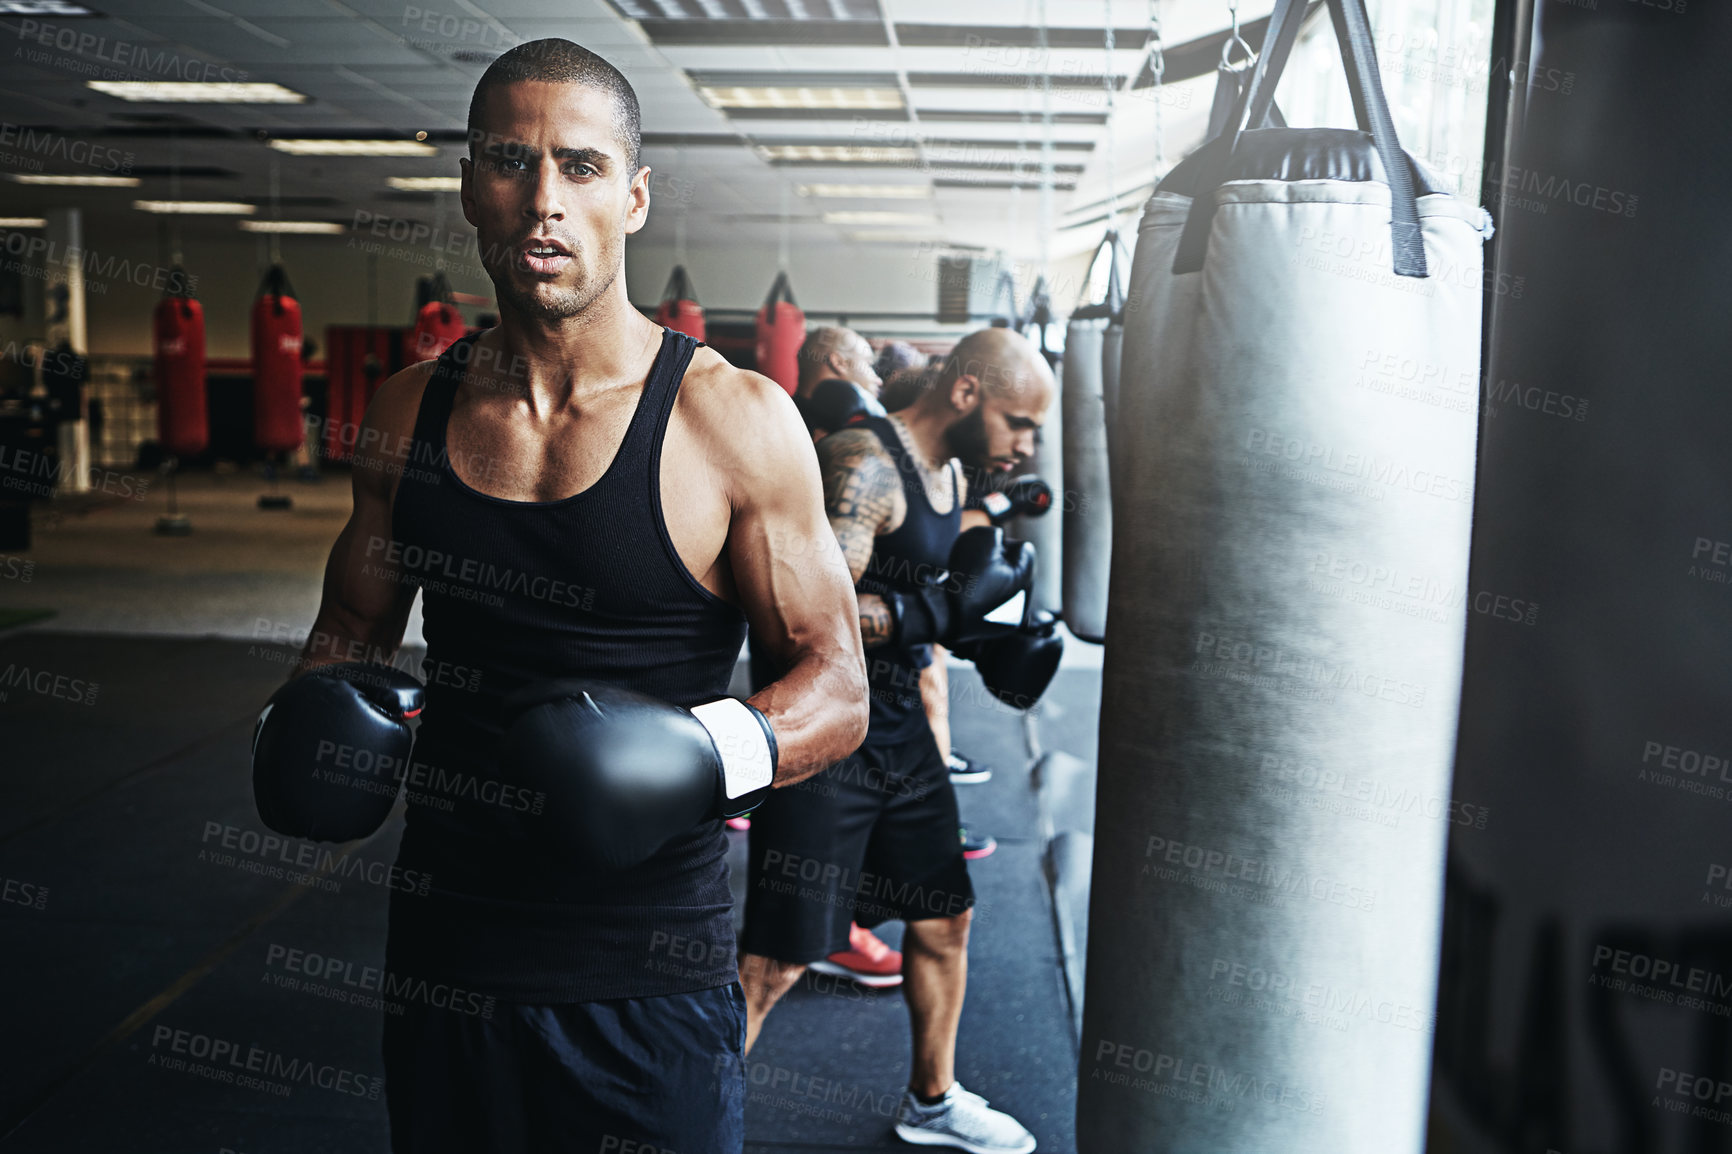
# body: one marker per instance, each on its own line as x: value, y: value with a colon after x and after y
x: 781, y: 329
x: 358, y: 359
x: 1045, y: 531
x: 679, y: 309
x: 1587, y: 930
x: 276, y: 340
x: 182, y: 415
x: 1290, y: 552
x: 438, y: 321
x: 1088, y: 526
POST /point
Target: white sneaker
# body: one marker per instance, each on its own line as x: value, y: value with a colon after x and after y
x: 962, y: 1120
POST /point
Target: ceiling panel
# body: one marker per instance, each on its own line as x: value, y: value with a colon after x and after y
x: 969, y: 69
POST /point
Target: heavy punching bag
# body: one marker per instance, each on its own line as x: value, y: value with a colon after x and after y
x: 276, y: 333
x: 1088, y: 529
x: 1046, y: 531
x: 177, y: 330
x: 438, y: 323
x: 781, y: 329
x: 358, y: 358
x: 1112, y: 356
x: 1282, y: 669
x: 679, y: 309
x: 1585, y: 1003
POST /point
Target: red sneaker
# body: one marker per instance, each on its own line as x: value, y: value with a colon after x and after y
x: 866, y: 960
x: 977, y: 846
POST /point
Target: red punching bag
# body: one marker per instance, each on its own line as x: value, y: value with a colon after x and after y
x: 679, y: 309
x: 437, y: 322
x: 182, y: 420
x: 436, y: 326
x: 358, y: 358
x: 781, y: 331
x: 277, y: 423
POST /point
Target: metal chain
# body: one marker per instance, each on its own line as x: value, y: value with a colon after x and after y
x: 1111, y: 84
x: 1158, y: 70
x: 1046, y: 167
x: 1234, y: 38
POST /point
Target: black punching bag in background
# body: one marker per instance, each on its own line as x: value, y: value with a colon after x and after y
x: 1586, y: 983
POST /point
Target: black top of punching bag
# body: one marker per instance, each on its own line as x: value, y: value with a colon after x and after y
x: 1295, y: 154
x: 180, y: 285
x: 276, y: 286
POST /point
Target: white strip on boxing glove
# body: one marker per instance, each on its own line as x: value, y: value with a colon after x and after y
x: 747, y: 747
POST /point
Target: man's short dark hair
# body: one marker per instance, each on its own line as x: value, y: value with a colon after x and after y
x: 555, y: 61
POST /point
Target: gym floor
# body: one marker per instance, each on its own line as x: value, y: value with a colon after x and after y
x: 135, y: 911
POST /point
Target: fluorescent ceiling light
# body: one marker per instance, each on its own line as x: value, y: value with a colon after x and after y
x: 843, y: 99
x: 890, y: 236
x: 837, y: 153
x: 78, y: 181
x: 301, y: 147
x: 194, y: 207
x: 868, y: 191
x: 425, y: 183
x: 305, y: 227
x: 197, y: 92
x: 23, y: 222
x: 878, y: 218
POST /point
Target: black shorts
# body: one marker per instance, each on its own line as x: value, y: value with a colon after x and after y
x: 871, y: 839
x: 665, y: 1073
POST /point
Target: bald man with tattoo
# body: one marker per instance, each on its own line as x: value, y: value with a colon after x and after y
x: 874, y: 838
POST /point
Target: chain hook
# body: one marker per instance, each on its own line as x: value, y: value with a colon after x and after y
x: 1233, y: 38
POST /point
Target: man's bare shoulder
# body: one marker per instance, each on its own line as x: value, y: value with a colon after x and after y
x: 861, y: 482
x: 383, y: 443
x: 850, y: 448
x: 744, y: 418
x: 394, y: 406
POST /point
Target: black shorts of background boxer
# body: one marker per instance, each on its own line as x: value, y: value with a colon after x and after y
x: 626, y: 1074
x: 871, y: 839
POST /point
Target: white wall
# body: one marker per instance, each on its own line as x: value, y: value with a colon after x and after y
x: 126, y: 267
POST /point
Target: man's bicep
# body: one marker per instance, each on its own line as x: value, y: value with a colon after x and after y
x: 789, y: 573
x: 365, y: 598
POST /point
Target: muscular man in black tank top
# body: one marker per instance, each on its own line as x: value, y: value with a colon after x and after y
x: 578, y: 493
x: 875, y: 838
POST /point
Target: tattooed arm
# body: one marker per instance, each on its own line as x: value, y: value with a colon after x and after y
x: 864, y: 500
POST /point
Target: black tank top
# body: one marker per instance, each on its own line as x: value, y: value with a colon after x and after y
x: 911, y: 556
x: 515, y: 592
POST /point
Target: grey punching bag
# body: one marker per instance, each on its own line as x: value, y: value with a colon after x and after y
x: 1585, y: 1002
x: 1088, y: 541
x: 1046, y: 532
x: 1285, y: 650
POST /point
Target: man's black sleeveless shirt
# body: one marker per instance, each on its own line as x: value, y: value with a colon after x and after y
x: 515, y: 592
x: 914, y: 555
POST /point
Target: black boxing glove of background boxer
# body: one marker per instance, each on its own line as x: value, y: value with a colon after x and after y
x: 834, y: 403
x: 984, y: 594
x: 1017, y: 667
x: 623, y: 772
x: 330, y: 749
x: 1027, y: 496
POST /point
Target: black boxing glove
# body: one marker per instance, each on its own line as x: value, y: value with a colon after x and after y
x: 1016, y: 667
x: 1027, y: 496
x: 330, y: 749
x: 834, y: 403
x: 623, y: 772
x: 985, y: 593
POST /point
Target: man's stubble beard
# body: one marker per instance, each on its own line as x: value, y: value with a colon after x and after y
x: 967, y: 440
x: 561, y: 302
